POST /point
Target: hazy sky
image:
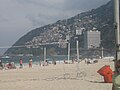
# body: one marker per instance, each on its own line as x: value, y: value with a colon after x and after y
x: 17, y: 17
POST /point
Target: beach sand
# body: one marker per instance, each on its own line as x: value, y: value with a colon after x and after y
x: 56, y: 77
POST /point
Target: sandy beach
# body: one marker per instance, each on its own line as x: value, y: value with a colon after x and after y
x: 56, y: 77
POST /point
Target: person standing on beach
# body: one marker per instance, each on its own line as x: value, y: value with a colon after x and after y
x: 1, y: 65
x: 30, y: 63
x: 21, y: 63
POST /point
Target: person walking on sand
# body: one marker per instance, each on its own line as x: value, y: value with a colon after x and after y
x: 30, y: 63
x: 1, y: 65
x: 21, y: 63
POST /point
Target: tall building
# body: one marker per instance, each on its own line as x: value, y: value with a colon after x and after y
x: 92, y: 39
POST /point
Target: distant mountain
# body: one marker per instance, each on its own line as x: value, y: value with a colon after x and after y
x: 100, y: 18
x: 2, y: 51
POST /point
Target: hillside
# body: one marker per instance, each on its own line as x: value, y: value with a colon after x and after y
x: 100, y: 18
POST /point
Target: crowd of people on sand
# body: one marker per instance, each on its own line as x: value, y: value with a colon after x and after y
x: 11, y: 65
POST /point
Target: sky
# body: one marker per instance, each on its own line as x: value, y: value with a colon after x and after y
x: 18, y: 17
